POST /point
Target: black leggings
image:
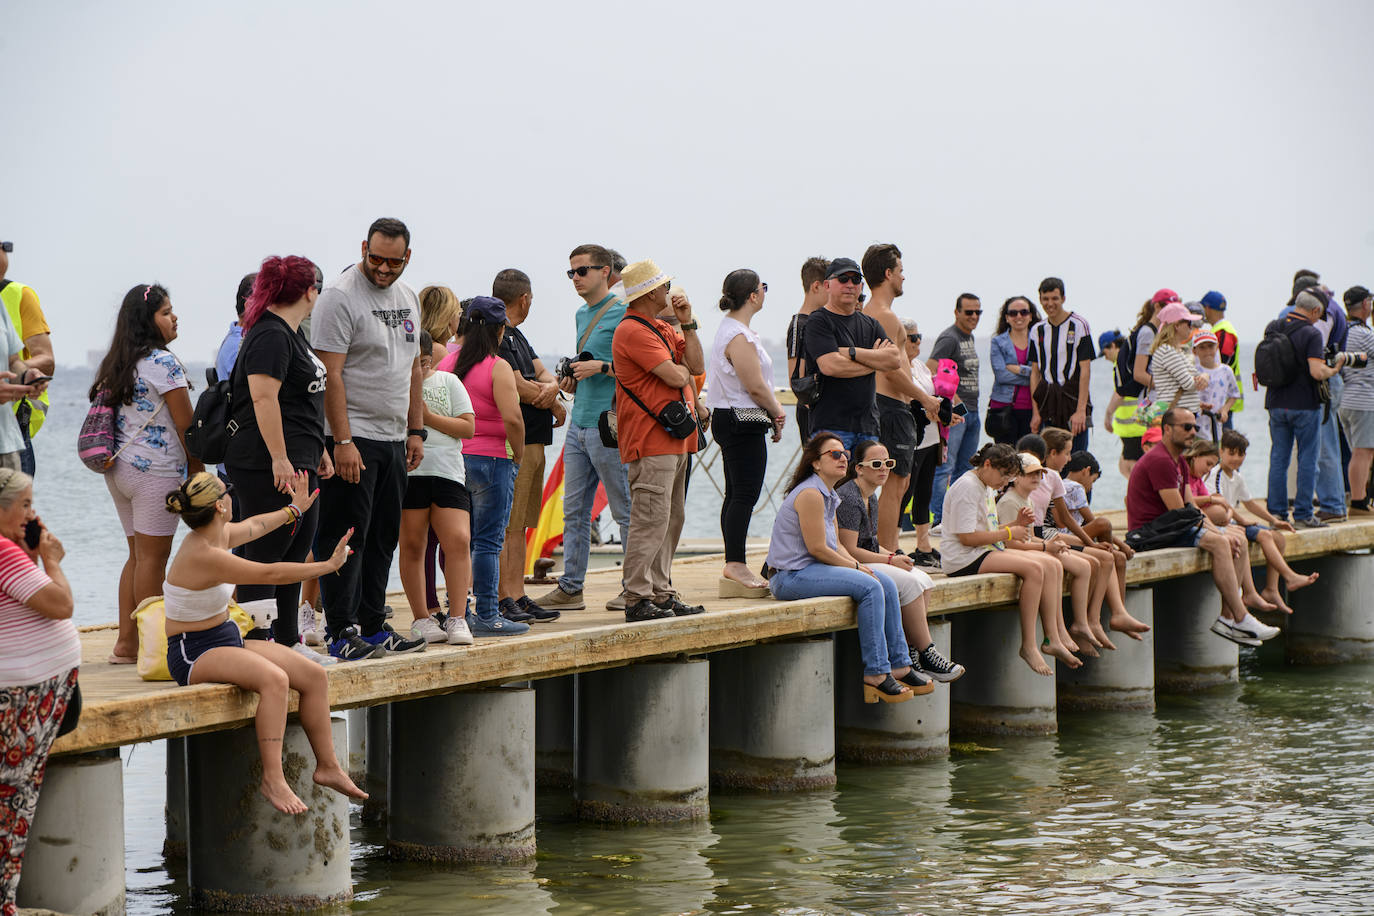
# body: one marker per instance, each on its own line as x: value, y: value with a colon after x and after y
x: 745, y: 457
x: 922, y: 482
x: 257, y: 494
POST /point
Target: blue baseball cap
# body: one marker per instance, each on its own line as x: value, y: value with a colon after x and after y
x: 486, y: 310
x: 1214, y: 301
x: 1109, y: 338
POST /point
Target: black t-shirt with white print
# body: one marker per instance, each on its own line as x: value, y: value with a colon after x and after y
x: 271, y: 348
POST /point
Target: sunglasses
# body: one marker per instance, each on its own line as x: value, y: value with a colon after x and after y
x: 973, y: 311
x: 6, y: 246
x: 584, y: 270
x: 838, y: 454
x: 1017, y: 313
x: 914, y: 338
x: 850, y: 279
x: 1187, y: 427
x: 377, y: 260
x: 878, y: 464
x: 763, y: 287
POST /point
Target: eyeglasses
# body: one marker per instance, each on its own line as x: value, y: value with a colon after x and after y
x: 838, y: 454
x: 584, y: 270
x: 914, y: 338
x: 1017, y: 313
x: 377, y: 260
x: 850, y: 279
x: 878, y: 464
x: 974, y: 312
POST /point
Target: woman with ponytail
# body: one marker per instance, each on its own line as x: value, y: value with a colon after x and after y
x: 278, y: 403
x: 739, y: 383
x: 146, y: 384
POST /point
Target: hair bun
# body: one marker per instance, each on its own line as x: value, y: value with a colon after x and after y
x: 175, y: 503
x: 727, y: 304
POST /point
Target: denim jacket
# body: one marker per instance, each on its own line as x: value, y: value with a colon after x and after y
x: 1004, y: 381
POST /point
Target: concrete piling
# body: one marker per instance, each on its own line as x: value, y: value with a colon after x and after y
x: 772, y: 717
x: 1188, y: 655
x: 1000, y: 694
x: 376, y: 760
x: 1124, y: 679
x: 246, y: 855
x: 1333, y: 618
x: 174, y: 810
x: 642, y: 743
x: 466, y: 792
x: 554, y: 728
x: 75, y: 857
x: 888, y: 732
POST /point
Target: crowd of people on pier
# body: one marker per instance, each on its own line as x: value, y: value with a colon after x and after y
x: 365, y: 418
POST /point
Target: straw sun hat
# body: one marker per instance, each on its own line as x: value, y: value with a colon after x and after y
x: 642, y: 278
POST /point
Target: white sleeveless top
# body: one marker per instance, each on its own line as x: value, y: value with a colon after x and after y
x: 723, y: 387
x: 191, y: 605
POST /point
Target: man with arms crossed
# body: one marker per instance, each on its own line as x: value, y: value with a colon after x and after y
x: 366, y: 332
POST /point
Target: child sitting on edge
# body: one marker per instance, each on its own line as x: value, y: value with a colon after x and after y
x: 1226, y: 482
x: 1109, y: 565
x: 1202, y: 456
x: 1079, y: 474
x: 1221, y: 391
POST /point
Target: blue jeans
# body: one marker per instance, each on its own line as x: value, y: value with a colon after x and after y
x: 1330, y: 470
x: 882, y: 643
x: 848, y: 438
x: 491, y: 483
x: 586, y: 462
x: 1286, y: 425
x: 963, y: 444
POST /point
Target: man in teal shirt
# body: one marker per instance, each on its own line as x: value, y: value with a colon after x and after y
x: 586, y: 462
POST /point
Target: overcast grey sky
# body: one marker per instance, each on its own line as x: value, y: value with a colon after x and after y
x: 1193, y: 145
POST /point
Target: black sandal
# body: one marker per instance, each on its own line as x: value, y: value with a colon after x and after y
x: 889, y: 691
x: 920, y: 684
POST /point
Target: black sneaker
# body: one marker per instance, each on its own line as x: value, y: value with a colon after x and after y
x: 644, y: 609
x: 539, y: 614
x: 679, y: 609
x: 926, y: 559
x: 931, y: 662
x: 508, y: 609
x: 348, y: 646
x: 392, y: 643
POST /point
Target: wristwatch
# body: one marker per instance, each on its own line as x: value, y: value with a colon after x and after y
x: 605, y: 367
x: 853, y: 355
x: 343, y: 441
x: 422, y: 433
x: 691, y: 325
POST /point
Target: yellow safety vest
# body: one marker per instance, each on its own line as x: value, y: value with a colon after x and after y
x: 12, y: 294
x: 1123, y: 419
x: 1224, y: 325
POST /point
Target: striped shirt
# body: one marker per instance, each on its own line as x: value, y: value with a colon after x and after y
x: 1058, y: 348
x: 1173, y: 372
x: 33, y: 648
x: 1359, y: 383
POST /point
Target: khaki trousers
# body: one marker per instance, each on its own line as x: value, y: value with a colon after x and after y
x: 658, y: 488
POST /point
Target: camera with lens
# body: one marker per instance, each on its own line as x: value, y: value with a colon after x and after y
x: 565, y: 369
x: 1353, y: 360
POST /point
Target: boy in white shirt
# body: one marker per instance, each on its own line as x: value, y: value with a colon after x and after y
x: 1225, y: 481
x: 1222, y: 390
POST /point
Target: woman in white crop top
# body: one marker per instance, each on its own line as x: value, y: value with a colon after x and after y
x: 203, y: 644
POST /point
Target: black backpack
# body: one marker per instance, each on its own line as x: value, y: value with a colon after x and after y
x: 212, y: 423
x: 1276, y: 359
x: 1126, y: 385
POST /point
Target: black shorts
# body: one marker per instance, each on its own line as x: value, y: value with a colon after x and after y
x: 971, y: 568
x: 1131, y: 449
x: 425, y: 491
x: 184, y: 648
x: 897, y: 433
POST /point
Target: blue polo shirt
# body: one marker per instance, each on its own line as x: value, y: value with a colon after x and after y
x: 596, y: 393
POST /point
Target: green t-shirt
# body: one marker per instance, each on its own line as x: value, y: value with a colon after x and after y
x: 596, y: 393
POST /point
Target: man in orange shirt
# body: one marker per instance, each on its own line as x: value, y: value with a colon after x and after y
x: 656, y: 422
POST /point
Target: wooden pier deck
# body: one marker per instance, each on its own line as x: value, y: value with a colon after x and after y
x: 120, y: 708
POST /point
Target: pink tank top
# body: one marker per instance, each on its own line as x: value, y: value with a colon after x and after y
x: 490, y: 437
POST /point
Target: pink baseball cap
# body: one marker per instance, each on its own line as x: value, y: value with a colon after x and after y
x: 1165, y: 296
x: 1174, y: 311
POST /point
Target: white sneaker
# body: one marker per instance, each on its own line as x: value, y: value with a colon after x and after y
x: 1251, y: 627
x: 306, y: 623
x: 456, y: 629
x: 318, y: 658
x: 937, y: 531
x: 427, y: 629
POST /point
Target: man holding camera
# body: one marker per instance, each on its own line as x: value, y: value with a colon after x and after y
x: 590, y: 378
x: 657, y: 429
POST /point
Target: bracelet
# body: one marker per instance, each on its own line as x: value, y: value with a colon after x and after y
x: 1008, y: 527
x: 856, y: 564
x: 889, y: 558
x: 294, y: 515
x: 343, y: 441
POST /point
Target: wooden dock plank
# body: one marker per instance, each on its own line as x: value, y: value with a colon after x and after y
x: 120, y: 708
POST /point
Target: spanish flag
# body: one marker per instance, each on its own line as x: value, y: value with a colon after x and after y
x: 548, y: 534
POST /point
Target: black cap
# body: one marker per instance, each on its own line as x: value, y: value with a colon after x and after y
x: 486, y: 310
x: 1355, y: 295
x: 843, y: 266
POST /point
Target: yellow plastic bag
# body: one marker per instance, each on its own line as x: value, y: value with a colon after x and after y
x: 152, y: 636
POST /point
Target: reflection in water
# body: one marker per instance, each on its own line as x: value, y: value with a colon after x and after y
x: 792, y: 844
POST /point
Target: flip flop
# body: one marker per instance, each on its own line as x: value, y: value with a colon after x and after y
x: 122, y: 659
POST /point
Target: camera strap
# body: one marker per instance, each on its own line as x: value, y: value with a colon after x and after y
x: 672, y: 355
x: 596, y: 319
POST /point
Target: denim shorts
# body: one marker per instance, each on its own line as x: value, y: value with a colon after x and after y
x: 1252, y: 531
x: 184, y: 648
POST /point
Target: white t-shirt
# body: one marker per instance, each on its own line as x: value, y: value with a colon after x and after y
x: 1076, y: 499
x: 445, y: 395
x: 156, y: 448
x: 969, y: 506
x: 1051, y: 488
x: 920, y: 374
x: 1230, y: 487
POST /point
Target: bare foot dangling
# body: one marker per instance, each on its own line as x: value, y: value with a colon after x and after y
x: 1125, y: 623
x: 1257, y: 603
x: 1101, y: 635
x: 281, y: 797
x: 1082, y: 637
x: 1276, y: 599
x: 1299, y: 581
x: 335, y: 778
x: 1063, y: 653
x: 1037, y: 664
